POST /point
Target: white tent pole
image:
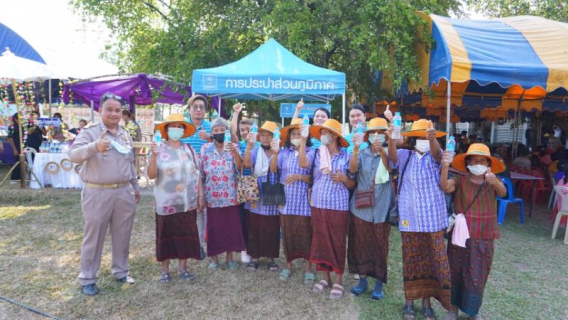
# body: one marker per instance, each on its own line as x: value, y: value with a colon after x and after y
x: 49, y: 97
x: 219, y: 107
x: 92, y: 111
x: 342, y: 109
x: 448, y: 105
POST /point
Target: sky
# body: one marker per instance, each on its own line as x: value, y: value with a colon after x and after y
x: 53, y: 26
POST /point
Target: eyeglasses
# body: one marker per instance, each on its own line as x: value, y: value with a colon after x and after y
x: 198, y: 108
x: 108, y: 96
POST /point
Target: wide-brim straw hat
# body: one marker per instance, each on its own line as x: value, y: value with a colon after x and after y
x: 374, y: 125
x: 176, y: 118
x: 418, y: 130
x: 269, y: 126
x: 286, y: 130
x: 331, y: 125
x: 478, y: 149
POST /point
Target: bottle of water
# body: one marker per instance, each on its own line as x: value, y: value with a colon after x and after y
x: 451, y: 147
x: 254, y: 131
x: 397, y: 124
x: 305, y: 126
x: 158, y: 137
x: 359, y: 133
x: 227, y: 138
x: 276, y: 136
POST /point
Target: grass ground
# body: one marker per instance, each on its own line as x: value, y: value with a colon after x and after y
x: 40, y: 240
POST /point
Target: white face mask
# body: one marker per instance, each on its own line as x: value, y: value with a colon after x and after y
x: 295, y: 142
x: 477, y: 169
x: 422, y: 145
x: 326, y: 139
x: 380, y: 136
x: 175, y: 133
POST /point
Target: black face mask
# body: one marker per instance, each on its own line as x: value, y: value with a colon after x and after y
x: 265, y: 147
x: 219, y: 137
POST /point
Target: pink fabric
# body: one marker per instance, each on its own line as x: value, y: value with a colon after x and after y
x: 325, y: 159
x: 460, y: 233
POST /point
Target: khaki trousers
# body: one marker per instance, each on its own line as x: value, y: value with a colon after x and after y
x: 104, y: 208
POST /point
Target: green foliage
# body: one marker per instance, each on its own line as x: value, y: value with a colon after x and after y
x: 550, y: 9
x: 355, y: 37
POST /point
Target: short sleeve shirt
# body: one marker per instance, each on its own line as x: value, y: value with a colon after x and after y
x: 325, y: 193
x: 219, y: 175
x: 297, y: 192
x: 257, y: 207
x: 195, y: 141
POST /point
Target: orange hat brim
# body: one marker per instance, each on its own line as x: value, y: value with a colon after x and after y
x: 459, y: 163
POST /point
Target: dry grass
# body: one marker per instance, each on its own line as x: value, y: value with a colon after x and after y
x: 40, y: 241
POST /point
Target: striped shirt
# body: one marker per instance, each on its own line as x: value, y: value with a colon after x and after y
x: 349, y: 138
x: 327, y: 194
x: 243, y: 147
x: 384, y: 192
x: 257, y: 207
x: 297, y: 192
x: 481, y: 217
x: 195, y: 141
x: 421, y: 206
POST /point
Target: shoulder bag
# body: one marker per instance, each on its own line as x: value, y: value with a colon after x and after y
x: 366, y: 198
x: 392, y: 216
x: 273, y: 193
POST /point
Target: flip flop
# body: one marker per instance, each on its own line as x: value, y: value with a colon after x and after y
x: 309, y: 278
x: 186, y: 276
x: 320, y: 286
x: 164, y: 278
x: 253, y: 266
x: 428, y: 313
x: 272, y: 266
x: 213, y: 266
x: 408, y: 312
x: 233, y: 265
x: 285, y: 274
x: 336, y: 291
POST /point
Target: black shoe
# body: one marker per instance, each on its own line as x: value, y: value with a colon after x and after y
x: 90, y: 290
x: 127, y: 280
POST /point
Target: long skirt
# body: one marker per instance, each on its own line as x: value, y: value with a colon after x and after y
x: 425, y: 266
x: 224, y: 232
x: 470, y: 268
x: 263, y: 236
x: 368, y: 249
x: 297, y: 236
x: 329, y: 239
x: 177, y: 236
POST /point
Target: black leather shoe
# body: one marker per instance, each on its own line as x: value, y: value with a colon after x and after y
x: 90, y: 290
x: 127, y: 279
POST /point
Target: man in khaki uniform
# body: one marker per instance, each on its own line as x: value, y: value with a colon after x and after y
x: 107, y: 200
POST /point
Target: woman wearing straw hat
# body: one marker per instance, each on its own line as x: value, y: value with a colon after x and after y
x: 369, y: 231
x: 295, y: 215
x: 330, y: 203
x: 471, y: 247
x: 174, y: 166
x: 263, y: 222
x: 220, y: 164
x: 422, y: 219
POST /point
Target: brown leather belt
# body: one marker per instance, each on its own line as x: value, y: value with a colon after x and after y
x: 105, y: 186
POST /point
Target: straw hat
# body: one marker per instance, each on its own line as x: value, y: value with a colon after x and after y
x: 176, y: 118
x: 269, y: 126
x: 332, y: 125
x: 374, y: 125
x: 418, y: 130
x: 294, y: 125
x: 478, y: 149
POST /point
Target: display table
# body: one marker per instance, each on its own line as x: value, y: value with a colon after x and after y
x: 57, y: 170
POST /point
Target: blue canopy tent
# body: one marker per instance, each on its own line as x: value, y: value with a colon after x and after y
x: 270, y: 72
x: 517, y: 61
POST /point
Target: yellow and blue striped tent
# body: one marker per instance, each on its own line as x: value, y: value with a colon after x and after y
x: 517, y: 62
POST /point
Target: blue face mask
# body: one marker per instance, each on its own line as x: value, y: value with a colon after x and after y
x: 120, y: 148
x: 175, y: 133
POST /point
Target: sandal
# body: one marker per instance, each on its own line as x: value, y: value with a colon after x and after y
x: 164, y: 278
x: 272, y: 266
x: 408, y: 312
x: 377, y: 296
x: 357, y: 291
x: 309, y: 278
x: 253, y: 266
x: 336, y: 291
x: 428, y: 313
x: 285, y: 274
x: 186, y: 276
x: 320, y: 286
x: 213, y: 266
x: 233, y: 265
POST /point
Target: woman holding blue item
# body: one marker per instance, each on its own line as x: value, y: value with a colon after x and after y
x: 357, y: 121
x: 319, y: 117
x: 369, y: 229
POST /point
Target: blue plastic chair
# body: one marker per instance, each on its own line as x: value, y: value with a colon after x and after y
x: 503, y: 202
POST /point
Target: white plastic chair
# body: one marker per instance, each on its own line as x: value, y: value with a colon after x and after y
x: 563, y: 193
x: 30, y: 165
x: 552, y: 199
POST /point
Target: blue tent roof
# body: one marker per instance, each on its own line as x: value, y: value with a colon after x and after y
x: 270, y: 72
x: 17, y: 44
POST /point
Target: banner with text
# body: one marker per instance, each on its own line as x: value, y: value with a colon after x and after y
x: 287, y: 109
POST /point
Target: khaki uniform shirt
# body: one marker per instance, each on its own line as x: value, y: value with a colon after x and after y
x: 108, y: 167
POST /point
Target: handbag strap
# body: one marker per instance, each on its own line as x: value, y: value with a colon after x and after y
x: 475, y: 197
x: 402, y: 173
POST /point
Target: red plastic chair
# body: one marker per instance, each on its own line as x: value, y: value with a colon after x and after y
x: 541, y: 187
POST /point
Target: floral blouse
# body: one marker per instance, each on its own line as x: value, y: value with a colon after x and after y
x: 220, y: 177
x: 177, y: 181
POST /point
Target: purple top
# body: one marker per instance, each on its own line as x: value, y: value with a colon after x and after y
x: 327, y: 194
x: 422, y: 206
x: 257, y: 207
x: 297, y: 192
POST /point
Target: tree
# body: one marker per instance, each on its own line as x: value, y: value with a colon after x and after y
x: 355, y: 37
x: 550, y: 9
